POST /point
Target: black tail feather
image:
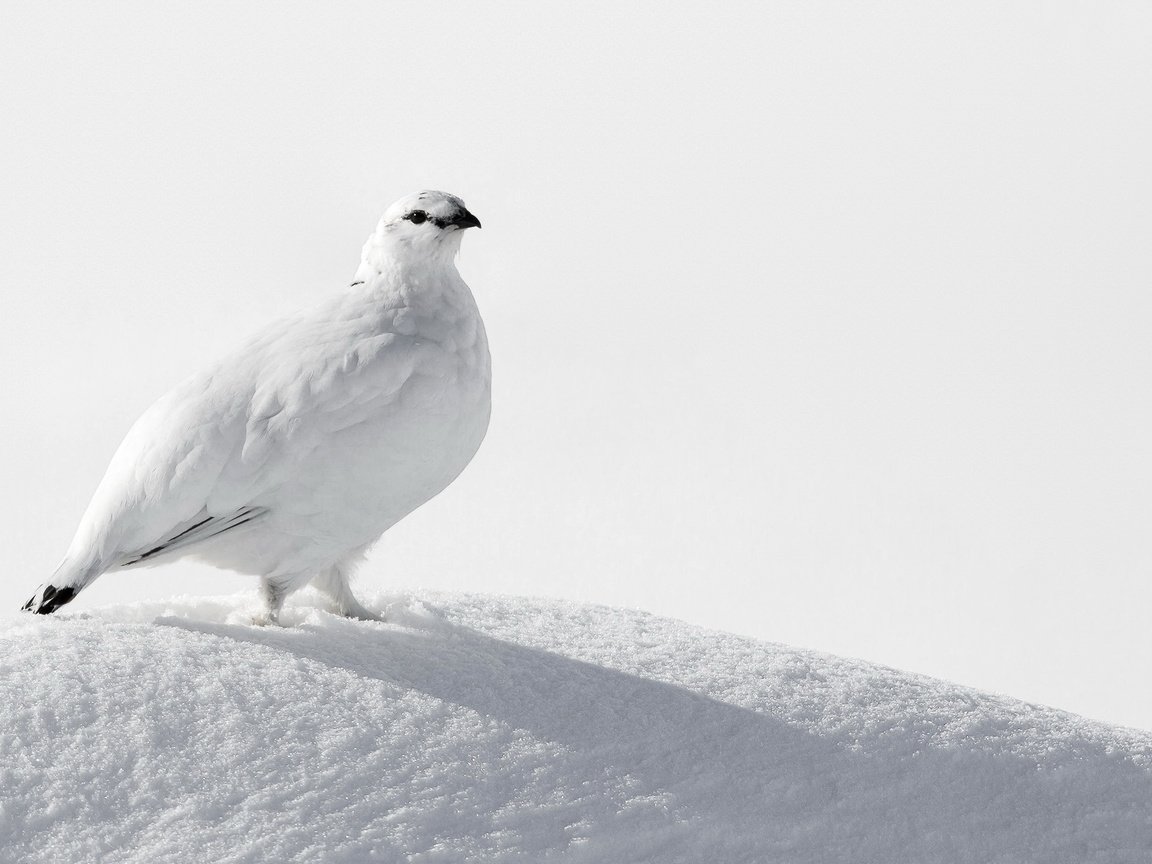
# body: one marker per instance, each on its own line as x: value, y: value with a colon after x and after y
x: 49, y: 600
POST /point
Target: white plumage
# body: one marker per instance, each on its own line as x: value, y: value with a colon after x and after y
x: 289, y: 458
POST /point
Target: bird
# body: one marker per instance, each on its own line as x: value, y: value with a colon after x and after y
x: 291, y: 456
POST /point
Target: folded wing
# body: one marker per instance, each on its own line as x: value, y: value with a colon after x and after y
x: 203, y: 528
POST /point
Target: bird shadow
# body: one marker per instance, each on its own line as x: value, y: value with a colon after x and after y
x: 770, y: 784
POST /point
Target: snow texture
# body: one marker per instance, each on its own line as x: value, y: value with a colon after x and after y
x: 473, y: 728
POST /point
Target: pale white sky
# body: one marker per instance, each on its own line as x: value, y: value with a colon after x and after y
x: 825, y: 323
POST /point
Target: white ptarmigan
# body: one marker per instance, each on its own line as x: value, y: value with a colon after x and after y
x: 289, y: 458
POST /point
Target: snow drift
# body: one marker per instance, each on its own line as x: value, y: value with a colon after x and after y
x: 473, y: 728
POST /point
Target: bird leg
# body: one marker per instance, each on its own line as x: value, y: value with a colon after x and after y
x: 334, y: 583
x: 273, y: 593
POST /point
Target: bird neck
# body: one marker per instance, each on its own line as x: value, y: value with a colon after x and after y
x: 412, y: 281
x: 402, y: 263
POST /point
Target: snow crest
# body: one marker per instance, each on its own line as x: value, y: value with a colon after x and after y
x: 475, y: 728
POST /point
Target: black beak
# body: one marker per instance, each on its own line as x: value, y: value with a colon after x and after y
x: 464, y: 219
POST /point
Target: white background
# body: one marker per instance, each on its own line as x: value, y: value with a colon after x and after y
x: 826, y: 323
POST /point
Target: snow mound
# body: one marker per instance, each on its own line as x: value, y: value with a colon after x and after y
x: 474, y: 728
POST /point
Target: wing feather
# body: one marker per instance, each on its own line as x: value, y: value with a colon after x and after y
x: 210, y: 455
x: 204, y: 528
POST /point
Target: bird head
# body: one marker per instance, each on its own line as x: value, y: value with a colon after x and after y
x: 422, y: 230
x: 424, y: 225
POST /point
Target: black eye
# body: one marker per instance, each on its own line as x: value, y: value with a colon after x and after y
x: 416, y: 217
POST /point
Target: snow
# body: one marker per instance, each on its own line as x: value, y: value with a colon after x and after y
x: 478, y: 728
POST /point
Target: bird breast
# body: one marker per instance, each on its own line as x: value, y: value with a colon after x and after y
x: 384, y: 410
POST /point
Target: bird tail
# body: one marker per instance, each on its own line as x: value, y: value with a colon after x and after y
x: 64, y: 585
x: 49, y: 598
